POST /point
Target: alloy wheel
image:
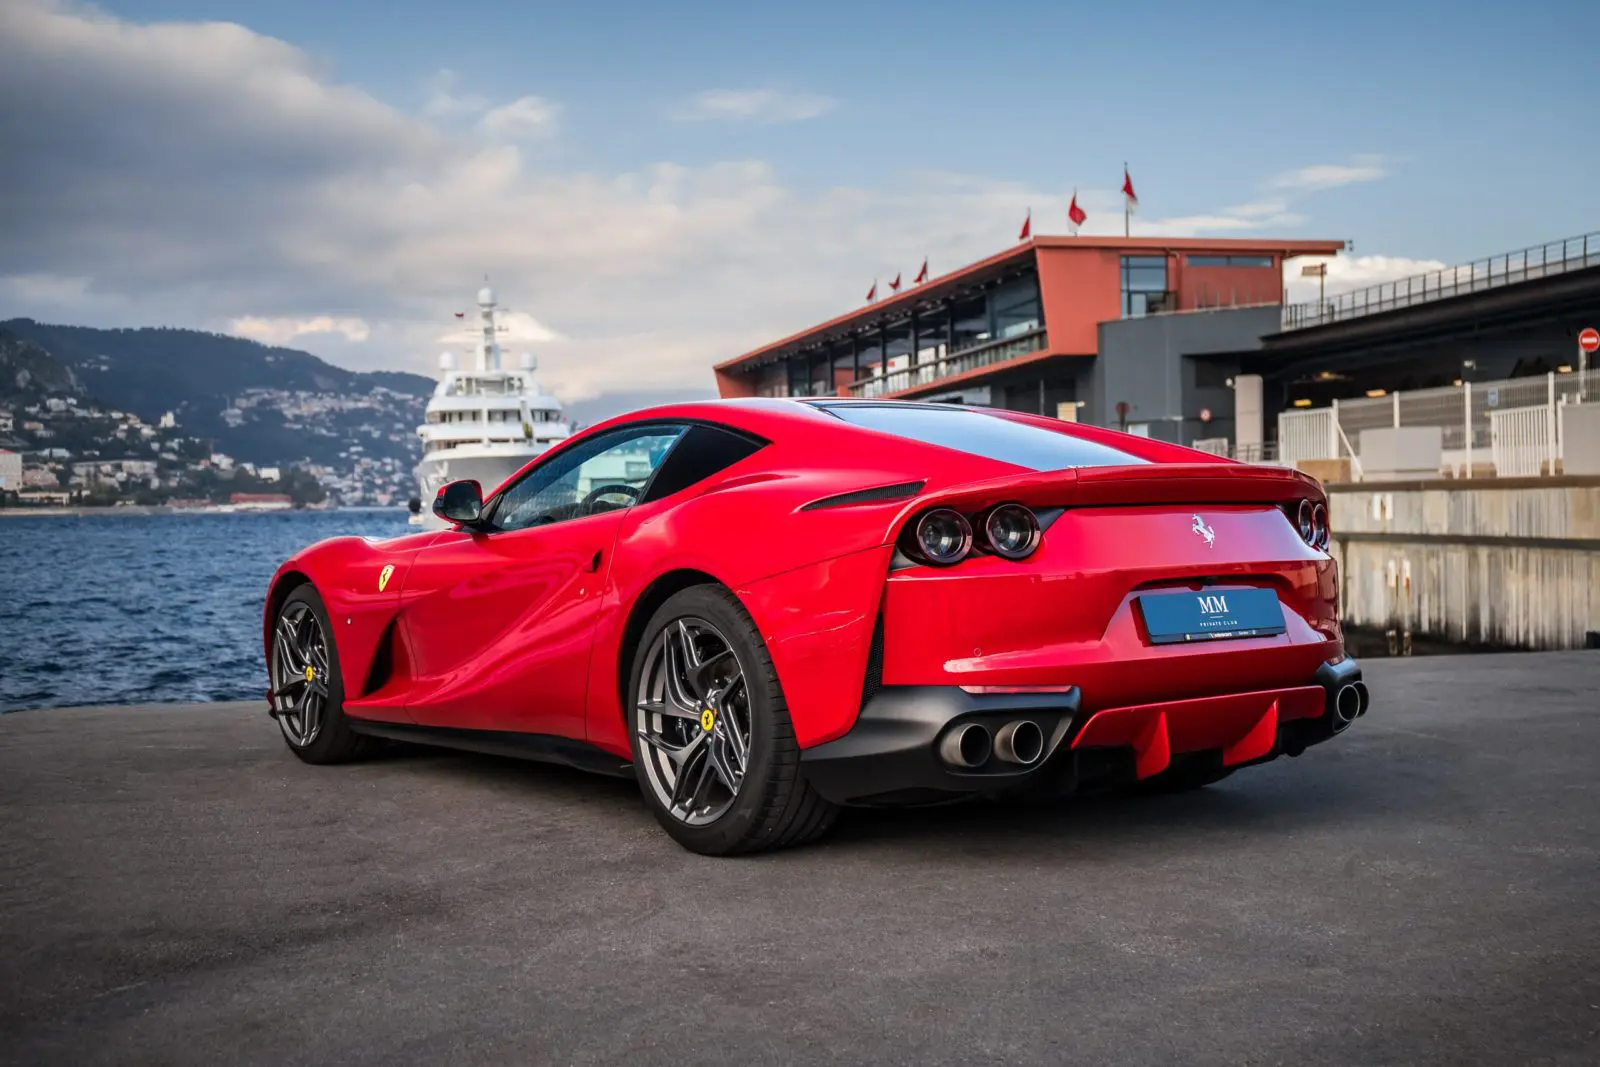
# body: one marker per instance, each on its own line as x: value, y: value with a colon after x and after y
x: 300, y: 674
x: 693, y: 720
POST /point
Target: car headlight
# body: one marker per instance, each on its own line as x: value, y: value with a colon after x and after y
x: 942, y: 537
x: 1012, y: 531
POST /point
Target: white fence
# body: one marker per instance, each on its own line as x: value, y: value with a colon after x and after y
x: 1523, y: 441
x: 1508, y: 428
x: 1309, y: 435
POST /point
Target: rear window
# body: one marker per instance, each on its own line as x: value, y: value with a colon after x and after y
x: 984, y: 435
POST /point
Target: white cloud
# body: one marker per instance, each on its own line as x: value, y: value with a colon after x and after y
x: 281, y: 331
x: 1104, y: 210
x: 1348, y: 273
x: 1259, y: 209
x: 204, y: 175
x: 1332, y: 175
x: 1223, y: 223
x: 516, y: 328
x: 753, y: 105
x: 444, y: 101
x: 524, y: 118
x: 527, y: 116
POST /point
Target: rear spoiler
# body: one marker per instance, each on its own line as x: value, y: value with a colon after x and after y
x: 1142, y: 483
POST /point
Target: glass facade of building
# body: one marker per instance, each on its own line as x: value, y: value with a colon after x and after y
x: 978, y: 335
x: 923, y: 338
x: 1144, y: 285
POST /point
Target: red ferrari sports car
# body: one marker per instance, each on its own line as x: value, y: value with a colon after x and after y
x: 766, y: 610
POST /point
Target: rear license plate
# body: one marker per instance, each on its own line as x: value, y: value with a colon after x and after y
x: 1208, y: 616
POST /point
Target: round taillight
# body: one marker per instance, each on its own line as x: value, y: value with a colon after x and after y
x: 1012, y: 531
x: 1303, y: 522
x: 943, y: 537
x: 1319, y: 527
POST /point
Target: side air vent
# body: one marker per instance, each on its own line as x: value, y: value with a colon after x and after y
x: 874, y: 678
x: 382, y: 661
x: 902, y: 491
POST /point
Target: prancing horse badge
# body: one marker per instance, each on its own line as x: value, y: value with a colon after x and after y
x: 384, y: 576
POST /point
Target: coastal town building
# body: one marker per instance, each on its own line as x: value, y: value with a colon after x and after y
x: 1081, y: 328
x: 1191, y: 340
x: 261, y: 501
x: 44, y: 498
x: 10, y: 471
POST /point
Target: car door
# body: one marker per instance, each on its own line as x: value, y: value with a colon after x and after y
x: 499, y: 619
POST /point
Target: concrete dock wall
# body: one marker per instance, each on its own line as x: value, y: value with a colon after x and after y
x: 1508, y: 562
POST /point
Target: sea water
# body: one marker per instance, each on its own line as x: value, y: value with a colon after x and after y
x: 130, y: 609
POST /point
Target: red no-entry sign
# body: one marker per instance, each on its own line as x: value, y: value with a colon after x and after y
x: 1589, y: 339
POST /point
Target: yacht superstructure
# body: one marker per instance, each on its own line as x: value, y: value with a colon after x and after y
x: 484, y: 422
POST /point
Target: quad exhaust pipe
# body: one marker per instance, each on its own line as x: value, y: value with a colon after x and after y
x: 966, y: 746
x: 1348, y: 703
x: 1020, y: 741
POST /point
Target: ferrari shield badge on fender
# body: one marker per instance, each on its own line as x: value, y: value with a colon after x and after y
x: 384, y: 576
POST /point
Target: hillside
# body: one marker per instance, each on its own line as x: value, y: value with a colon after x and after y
x: 28, y: 372
x: 255, y: 403
x: 149, y: 371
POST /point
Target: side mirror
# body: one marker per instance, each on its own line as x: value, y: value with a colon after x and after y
x: 460, y: 502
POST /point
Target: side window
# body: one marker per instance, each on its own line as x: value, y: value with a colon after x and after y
x: 604, y: 474
x: 705, y: 450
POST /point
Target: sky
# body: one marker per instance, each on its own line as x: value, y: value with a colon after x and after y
x: 655, y: 187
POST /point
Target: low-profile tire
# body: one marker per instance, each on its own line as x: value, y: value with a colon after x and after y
x: 307, y: 684
x: 713, y: 744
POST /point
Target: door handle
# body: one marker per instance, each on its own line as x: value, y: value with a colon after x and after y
x: 594, y: 563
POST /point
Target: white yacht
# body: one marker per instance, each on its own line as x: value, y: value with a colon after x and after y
x: 484, y: 422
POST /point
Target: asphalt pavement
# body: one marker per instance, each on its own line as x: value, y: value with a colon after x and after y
x: 176, y: 888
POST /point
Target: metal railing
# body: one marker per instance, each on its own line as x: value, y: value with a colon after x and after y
x: 1538, y: 261
x: 960, y: 361
x: 1501, y: 428
x: 1264, y: 452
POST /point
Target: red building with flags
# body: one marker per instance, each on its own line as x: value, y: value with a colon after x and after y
x: 1038, y: 327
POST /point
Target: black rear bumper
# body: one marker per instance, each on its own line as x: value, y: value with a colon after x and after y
x: 891, y: 755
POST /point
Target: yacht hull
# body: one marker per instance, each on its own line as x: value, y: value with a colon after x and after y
x: 488, y: 471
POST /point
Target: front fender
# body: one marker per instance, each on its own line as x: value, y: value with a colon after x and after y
x: 348, y: 573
